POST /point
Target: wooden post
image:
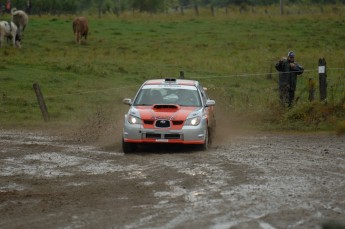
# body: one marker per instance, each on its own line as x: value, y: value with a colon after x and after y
x: 311, y: 87
x: 322, y: 79
x: 212, y: 10
x: 196, y: 8
x: 41, y: 102
x: 181, y: 75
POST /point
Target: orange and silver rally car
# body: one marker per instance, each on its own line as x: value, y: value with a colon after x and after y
x: 169, y: 111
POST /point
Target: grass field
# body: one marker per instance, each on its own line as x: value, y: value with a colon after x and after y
x: 233, y: 55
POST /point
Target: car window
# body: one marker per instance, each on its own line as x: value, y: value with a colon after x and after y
x: 148, y: 97
x: 188, y: 98
x: 203, y: 94
x: 161, y: 95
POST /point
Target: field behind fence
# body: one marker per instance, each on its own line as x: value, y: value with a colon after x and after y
x: 232, y: 55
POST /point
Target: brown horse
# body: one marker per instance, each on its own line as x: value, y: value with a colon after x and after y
x: 80, y: 29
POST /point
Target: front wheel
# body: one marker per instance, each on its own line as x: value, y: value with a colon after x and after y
x: 204, y: 146
x: 128, y: 147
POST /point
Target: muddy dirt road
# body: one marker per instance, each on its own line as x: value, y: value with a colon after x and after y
x: 249, y: 181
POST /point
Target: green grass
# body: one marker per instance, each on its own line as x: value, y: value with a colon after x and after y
x: 233, y: 55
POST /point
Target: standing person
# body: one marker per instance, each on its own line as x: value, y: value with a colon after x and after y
x: 28, y: 7
x: 8, y: 7
x: 288, y: 71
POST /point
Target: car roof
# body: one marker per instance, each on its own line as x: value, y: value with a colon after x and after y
x: 171, y: 81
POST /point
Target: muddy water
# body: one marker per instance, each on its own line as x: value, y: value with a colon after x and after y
x: 248, y: 181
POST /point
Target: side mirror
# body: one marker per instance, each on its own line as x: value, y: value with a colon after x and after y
x: 127, y: 101
x: 210, y: 103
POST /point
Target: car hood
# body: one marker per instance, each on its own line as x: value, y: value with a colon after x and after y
x: 166, y: 112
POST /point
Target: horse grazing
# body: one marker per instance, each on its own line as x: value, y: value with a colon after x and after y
x: 21, y: 19
x: 9, y: 30
x: 80, y: 29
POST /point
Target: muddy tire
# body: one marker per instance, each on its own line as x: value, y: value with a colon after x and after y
x: 204, y: 146
x: 128, y: 147
x: 211, y: 134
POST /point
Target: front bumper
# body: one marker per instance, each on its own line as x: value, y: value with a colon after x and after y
x: 136, y: 133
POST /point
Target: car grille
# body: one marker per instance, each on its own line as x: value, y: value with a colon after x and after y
x: 152, y: 135
x: 163, y: 136
x: 163, y: 123
x: 160, y: 125
x: 172, y: 136
x: 177, y: 123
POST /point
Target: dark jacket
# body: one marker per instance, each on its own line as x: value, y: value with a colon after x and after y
x: 288, y: 74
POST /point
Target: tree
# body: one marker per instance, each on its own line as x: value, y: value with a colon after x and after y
x: 151, y: 6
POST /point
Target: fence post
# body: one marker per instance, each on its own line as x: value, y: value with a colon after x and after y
x: 322, y: 79
x: 41, y: 102
x: 311, y: 87
x: 181, y: 75
x: 212, y: 10
x: 196, y: 8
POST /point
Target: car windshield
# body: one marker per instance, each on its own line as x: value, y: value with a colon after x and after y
x: 183, y: 96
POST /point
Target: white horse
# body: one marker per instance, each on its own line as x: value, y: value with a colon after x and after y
x: 9, y: 30
x: 21, y: 19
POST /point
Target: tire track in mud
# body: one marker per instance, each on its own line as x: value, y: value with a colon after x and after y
x: 198, y: 184
x: 296, y: 174
x: 273, y: 181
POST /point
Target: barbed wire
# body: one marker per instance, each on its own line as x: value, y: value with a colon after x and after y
x: 137, y: 85
x: 92, y: 91
x: 244, y: 74
x: 259, y: 74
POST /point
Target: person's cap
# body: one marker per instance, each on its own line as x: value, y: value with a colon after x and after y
x: 291, y: 54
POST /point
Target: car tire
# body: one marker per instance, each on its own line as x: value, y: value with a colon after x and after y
x: 204, y: 146
x: 128, y: 147
x: 211, y: 132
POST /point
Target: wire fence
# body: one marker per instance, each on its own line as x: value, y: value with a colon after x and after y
x: 234, y: 95
x: 104, y: 90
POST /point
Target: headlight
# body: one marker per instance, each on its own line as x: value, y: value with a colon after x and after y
x: 193, y: 121
x: 133, y: 120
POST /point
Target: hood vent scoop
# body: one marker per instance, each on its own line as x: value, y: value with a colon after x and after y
x: 166, y: 106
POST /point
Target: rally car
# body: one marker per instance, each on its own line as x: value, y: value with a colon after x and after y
x: 169, y: 110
